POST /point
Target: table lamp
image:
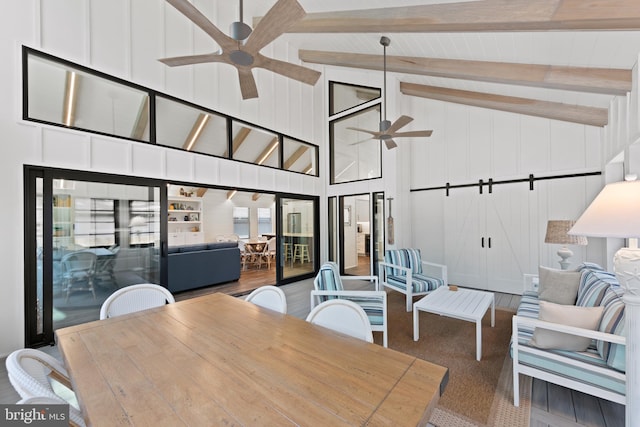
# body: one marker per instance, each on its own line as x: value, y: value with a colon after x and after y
x: 615, y: 212
x: 557, y: 233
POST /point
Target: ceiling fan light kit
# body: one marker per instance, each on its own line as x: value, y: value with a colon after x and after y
x: 242, y: 48
x: 387, y: 130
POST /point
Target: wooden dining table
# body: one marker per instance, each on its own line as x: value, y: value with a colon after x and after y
x: 219, y: 360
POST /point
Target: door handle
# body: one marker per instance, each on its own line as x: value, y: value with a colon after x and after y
x: 489, y: 242
x: 482, y: 242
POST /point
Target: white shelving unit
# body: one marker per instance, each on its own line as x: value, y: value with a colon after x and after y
x: 185, y: 221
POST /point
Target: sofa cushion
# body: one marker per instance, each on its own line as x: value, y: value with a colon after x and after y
x: 222, y: 245
x: 613, y: 322
x: 570, y: 315
x: 193, y: 248
x: 558, y: 286
x: 593, y: 286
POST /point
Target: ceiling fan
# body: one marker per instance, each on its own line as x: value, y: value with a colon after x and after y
x: 242, y: 48
x: 388, y: 131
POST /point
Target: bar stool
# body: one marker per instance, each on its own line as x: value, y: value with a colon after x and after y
x: 301, y: 252
x: 288, y: 251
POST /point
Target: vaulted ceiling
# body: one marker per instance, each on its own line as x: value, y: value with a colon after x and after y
x: 561, y: 59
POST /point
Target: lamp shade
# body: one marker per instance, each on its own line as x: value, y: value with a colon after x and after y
x: 615, y: 212
x: 557, y: 233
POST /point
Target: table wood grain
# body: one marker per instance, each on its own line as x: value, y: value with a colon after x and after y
x: 218, y: 360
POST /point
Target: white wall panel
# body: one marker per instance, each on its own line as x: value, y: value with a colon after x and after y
x: 147, y: 45
x: 480, y: 142
x: 457, y: 131
x: 206, y: 169
x: 110, y: 36
x: 147, y: 160
x: 506, y: 145
x: 64, y: 28
x: 178, y: 41
x: 180, y: 165
x: 567, y: 146
x: 229, y: 173
x: 66, y: 149
x: 534, y: 137
x: 110, y: 155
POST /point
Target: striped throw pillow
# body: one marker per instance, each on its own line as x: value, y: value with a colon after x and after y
x: 613, y: 322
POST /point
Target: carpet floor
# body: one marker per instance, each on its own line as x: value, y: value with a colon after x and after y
x: 479, y: 393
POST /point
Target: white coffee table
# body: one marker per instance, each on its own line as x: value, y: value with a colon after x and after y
x: 463, y: 304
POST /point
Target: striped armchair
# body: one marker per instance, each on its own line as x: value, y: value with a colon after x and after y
x: 403, y: 270
x: 328, y: 285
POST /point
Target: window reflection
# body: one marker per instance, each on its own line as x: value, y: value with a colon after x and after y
x: 345, y: 96
x: 189, y: 128
x: 254, y: 145
x: 299, y: 157
x: 354, y: 155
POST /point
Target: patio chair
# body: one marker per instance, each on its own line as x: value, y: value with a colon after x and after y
x: 343, y: 316
x: 135, y: 298
x: 403, y: 270
x: 78, y: 272
x: 33, y: 373
x: 328, y: 286
x: 270, y: 297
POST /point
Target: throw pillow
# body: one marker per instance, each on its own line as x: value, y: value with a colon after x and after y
x: 569, y: 315
x: 558, y: 286
x: 613, y: 322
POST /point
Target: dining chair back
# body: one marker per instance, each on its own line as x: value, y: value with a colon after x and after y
x: 270, y: 297
x: 33, y: 373
x: 75, y: 416
x: 342, y: 316
x: 135, y: 298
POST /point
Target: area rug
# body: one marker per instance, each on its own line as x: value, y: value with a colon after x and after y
x: 479, y: 393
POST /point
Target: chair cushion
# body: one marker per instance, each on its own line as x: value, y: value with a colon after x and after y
x: 328, y: 279
x: 408, y: 258
x: 373, y: 306
x: 613, y: 322
x: 420, y: 282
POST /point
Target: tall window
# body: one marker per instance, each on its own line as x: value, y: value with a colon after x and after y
x: 354, y: 155
x: 241, y: 222
x: 144, y: 221
x: 265, y: 225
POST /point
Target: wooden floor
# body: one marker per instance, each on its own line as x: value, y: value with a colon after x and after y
x: 552, y: 406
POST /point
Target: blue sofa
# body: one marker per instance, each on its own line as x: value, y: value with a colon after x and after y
x: 196, y: 266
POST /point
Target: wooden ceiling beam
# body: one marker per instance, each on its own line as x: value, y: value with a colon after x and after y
x: 478, y: 16
x: 581, y: 79
x: 294, y: 157
x: 240, y: 137
x: 551, y: 110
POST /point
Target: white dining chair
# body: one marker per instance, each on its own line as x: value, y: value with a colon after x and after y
x: 135, y: 298
x: 75, y: 416
x: 342, y: 316
x: 270, y: 297
x: 33, y: 374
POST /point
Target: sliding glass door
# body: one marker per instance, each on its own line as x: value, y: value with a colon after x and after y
x: 85, y: 239
x: 298, y: 247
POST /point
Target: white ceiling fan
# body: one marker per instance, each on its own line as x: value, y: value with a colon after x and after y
x: 389, y: 131
x: 242, y: 48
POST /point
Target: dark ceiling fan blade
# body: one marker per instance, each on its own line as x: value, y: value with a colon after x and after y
x: 247, y: 83
x: 415, y: 133
x: 370, y: 132
x: 402, y: 121
x: 189, y: 10
x: 390, y: 143
x: 191, y: 59
x: 283, y: 15
x: 287, y: 69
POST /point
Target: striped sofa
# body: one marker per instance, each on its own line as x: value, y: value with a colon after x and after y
x: 600, y: 370
x: 403, y: 270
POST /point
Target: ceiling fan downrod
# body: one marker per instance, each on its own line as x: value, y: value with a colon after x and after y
x: 239, y: 30
x: 384, y: 124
